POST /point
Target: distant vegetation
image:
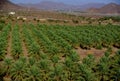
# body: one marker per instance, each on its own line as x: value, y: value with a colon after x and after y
x: 114, y: 18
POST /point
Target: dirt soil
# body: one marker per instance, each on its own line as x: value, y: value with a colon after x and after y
x: 9, y: 46
x: 24, y: 48
x: 96, y: 52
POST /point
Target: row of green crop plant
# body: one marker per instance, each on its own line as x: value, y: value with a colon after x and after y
x: 90, y: 36
x: 62, y: 33
x: 86, y: 36
x: 46, y: 32
x: 47, y: 45
x: 68, y: 37
x: 88, y: 69
x: 45, y: 38
x: 4, y: 35
x: 16, y: 42
x: 31, y: 44
x: 63, y: 44
x: 65, y: 48
x: 103, y: 36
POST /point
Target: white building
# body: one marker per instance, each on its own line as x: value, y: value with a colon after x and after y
x: 11, y: 13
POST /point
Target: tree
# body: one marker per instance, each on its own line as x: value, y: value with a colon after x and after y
x: 87, y: 73
x: 103, y: 68
x: 18, y: 70
x: 33, y: 74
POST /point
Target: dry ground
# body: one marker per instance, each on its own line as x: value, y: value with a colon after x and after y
x: 96, y: 52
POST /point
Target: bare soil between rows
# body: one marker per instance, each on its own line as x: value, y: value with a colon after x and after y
x: 96, y: 52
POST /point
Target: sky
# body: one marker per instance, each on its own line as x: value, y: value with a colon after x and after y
x: 74, y: 2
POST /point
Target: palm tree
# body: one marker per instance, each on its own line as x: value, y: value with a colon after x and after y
x: 33, y: 74
x: 18, y: 70
x: 74, y: 56
x: 44, y: 64
x: 68, y: 68
x: 89, y: 61
x: 86, y: 73
x: 7, y: 65
x: 2, y: 56
x: 103, y: 68
x: 55, y: 59
x: 71, y: 69
x: 58, y: 72
x: 43, y: 56
x: 32, y: 61
x: 68, y: 62
x: 114, y: 71
x: 45, y: 69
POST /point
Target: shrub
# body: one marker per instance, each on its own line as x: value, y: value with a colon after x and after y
x: 2, y: 21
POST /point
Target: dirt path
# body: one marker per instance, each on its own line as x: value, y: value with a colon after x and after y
x: 9, y: 46
x: 25, y: 52
x: 24, y: 48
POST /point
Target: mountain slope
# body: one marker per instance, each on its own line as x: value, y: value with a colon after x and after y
x: 7, y: 5
x: 109, y: 8
x: 92, y: 5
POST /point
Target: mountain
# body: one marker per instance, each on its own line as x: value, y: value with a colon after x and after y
x: 50, y: 5
x: 92, y: 5
x: 7, y: 5
x: 109, y: 8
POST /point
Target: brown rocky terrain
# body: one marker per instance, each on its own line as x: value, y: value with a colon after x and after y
x: 109, y: 8
x: 7, y: 5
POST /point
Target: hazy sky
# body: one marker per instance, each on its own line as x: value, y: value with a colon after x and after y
x: 68, y: 1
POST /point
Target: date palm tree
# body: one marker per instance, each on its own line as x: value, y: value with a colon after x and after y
x: 87, y: 73
x: 68, y: 68
x: 55, y: 59
x: 74, y: 56
x: 89, y: 61
x: 18, y: 70
x: 114, y: 71
x: 33, y: 74
x: 32, y: 61
x: 71, y: 68
x: 6, y: 68
x: 7, y: 65
x: 103, y: 68
x: 2, y: 56
x: 57, y: 73
x: 45, y: 69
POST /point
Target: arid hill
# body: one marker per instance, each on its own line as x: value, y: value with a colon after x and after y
x: 7, y: 5
x: 109, y: 8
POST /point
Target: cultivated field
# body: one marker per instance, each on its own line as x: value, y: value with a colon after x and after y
x: 43, y: 52
x: 65, y: 43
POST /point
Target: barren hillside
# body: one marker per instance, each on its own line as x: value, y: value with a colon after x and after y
x: 7, y: 5
x: 109, y: 8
